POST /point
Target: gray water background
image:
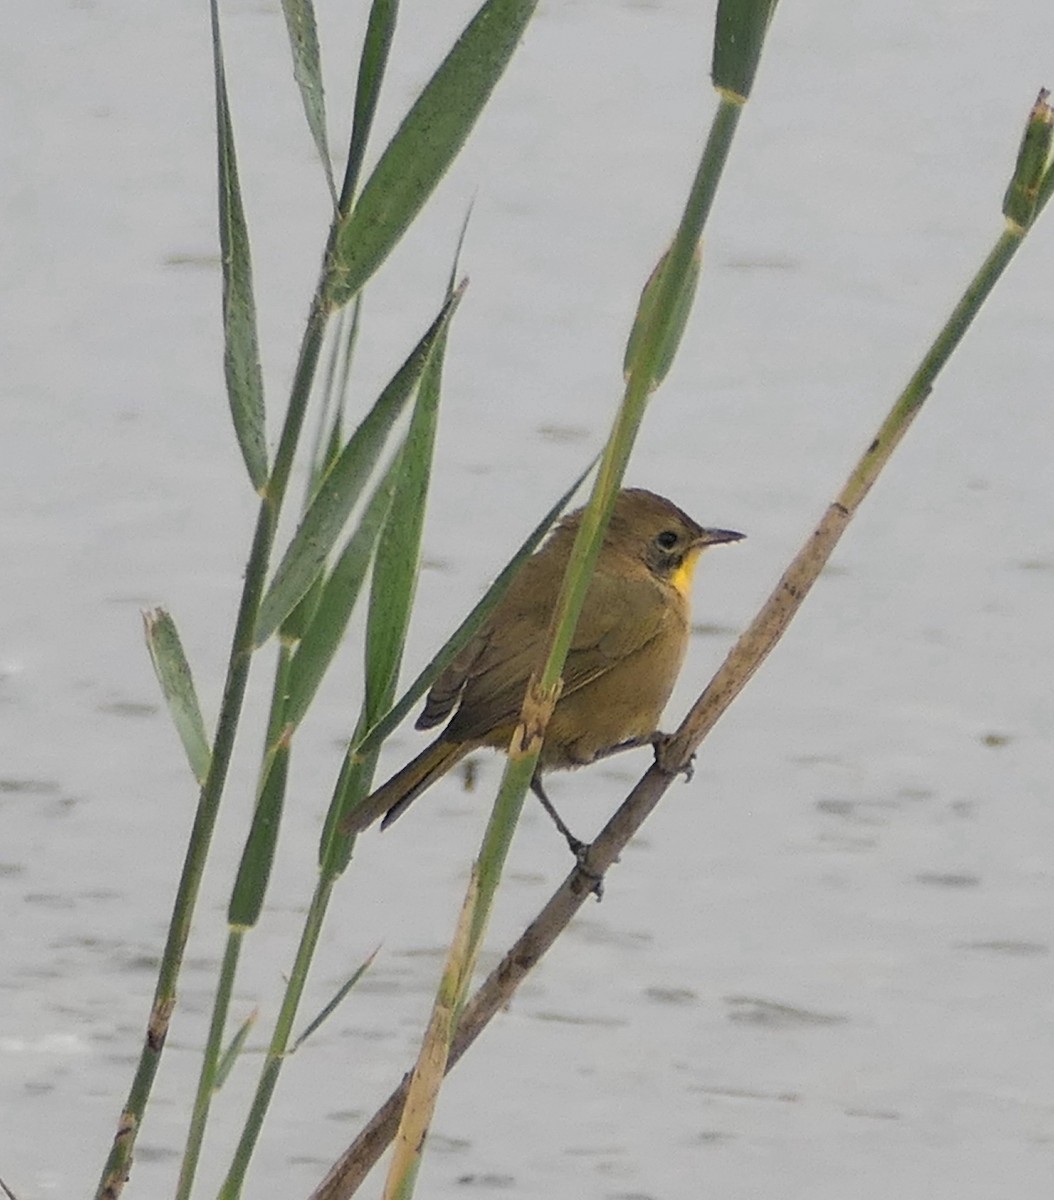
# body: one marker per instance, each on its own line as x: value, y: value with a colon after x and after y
x: 823, y: 970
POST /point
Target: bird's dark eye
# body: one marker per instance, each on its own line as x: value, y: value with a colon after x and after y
x: 667, y: 539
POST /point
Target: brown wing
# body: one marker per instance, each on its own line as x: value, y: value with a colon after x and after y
x: 620, y: 615
x: 449, y: 684
x: 520, y: 615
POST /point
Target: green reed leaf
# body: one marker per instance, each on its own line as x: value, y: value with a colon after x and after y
x: 177, y: 686
x: 1033, y: 160
x: 739, y: 36
x: 343, y: 483
x: 233, y: 1051
x: 380, y: 29
x: 424, y: 146
x: 668, y: 315
x: 254, y: 870
x: 336, y: 598
x: 335, y: 1003
x: 453, y: 645
x: 307, y: 71
x: 396, y: 565
x: 241, y: 352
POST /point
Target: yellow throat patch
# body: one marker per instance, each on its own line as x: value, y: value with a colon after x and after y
x: 681, y: 579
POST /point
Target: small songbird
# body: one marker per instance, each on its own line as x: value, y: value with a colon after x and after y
x: 624, y: 659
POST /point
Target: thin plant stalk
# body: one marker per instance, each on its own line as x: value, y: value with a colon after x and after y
x: 270, y: 790
x: 280, y: 1037
x: 646, y: 371
x: 741, y: 663
x: 478, y: 61
x: 768, y: 627
x: 118, y: 1163
x: 486, y: 53
x: 249, y: 889
x: 660, y: 320
x: 210, y: 1061
x: 386, y: 632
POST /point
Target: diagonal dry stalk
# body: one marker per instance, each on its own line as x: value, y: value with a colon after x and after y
x: 741, y: 663
x: 743, y: 660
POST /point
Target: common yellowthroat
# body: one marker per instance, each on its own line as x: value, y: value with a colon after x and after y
x: 625, y: 656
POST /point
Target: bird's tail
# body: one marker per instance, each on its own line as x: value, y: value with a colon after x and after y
x: 395, y: 796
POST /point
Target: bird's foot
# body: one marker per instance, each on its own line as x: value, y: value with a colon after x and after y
x: 593, y: 879
x: 665, y: 760
x: 578, y: 848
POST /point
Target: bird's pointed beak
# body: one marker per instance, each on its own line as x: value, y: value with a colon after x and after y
x: 714, y: 537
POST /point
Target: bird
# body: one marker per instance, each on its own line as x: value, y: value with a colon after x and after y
x: 624, y: 659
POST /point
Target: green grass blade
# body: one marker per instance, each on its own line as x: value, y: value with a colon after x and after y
x: 396, y: 566
x: 672, y: 328
x: 391, y: 596
x: 394, y: 716
x: 336, y: 599
x: 343, y: 484
x: 337, y: 1000
x: 351, y: 328
x: 456, y: 264
x: 380, y: 28
x: 307, y: 71
x: 302, y: 614
x: 275, y: 715
x: 364, y: 746
x: 241, y: 353
x: 660, y: 316
x: 659, y: 321
x: 424, y: 146
x: 1033, y: 159
x: 329, y: 435
x: 352, y: 786
x: 325, y: 450
x: 231, y: 1054
x: 667, y: 296
x: 177, y: 686
x: 739, y: 35
x: 254, y: 870
x: 1046, y: 184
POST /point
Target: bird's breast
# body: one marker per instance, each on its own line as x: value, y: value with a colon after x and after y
x: 623, y: 703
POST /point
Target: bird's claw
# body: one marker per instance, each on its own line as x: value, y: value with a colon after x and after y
x: 581, y: 852
x: 663, y: 743
x: 577, y: 847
